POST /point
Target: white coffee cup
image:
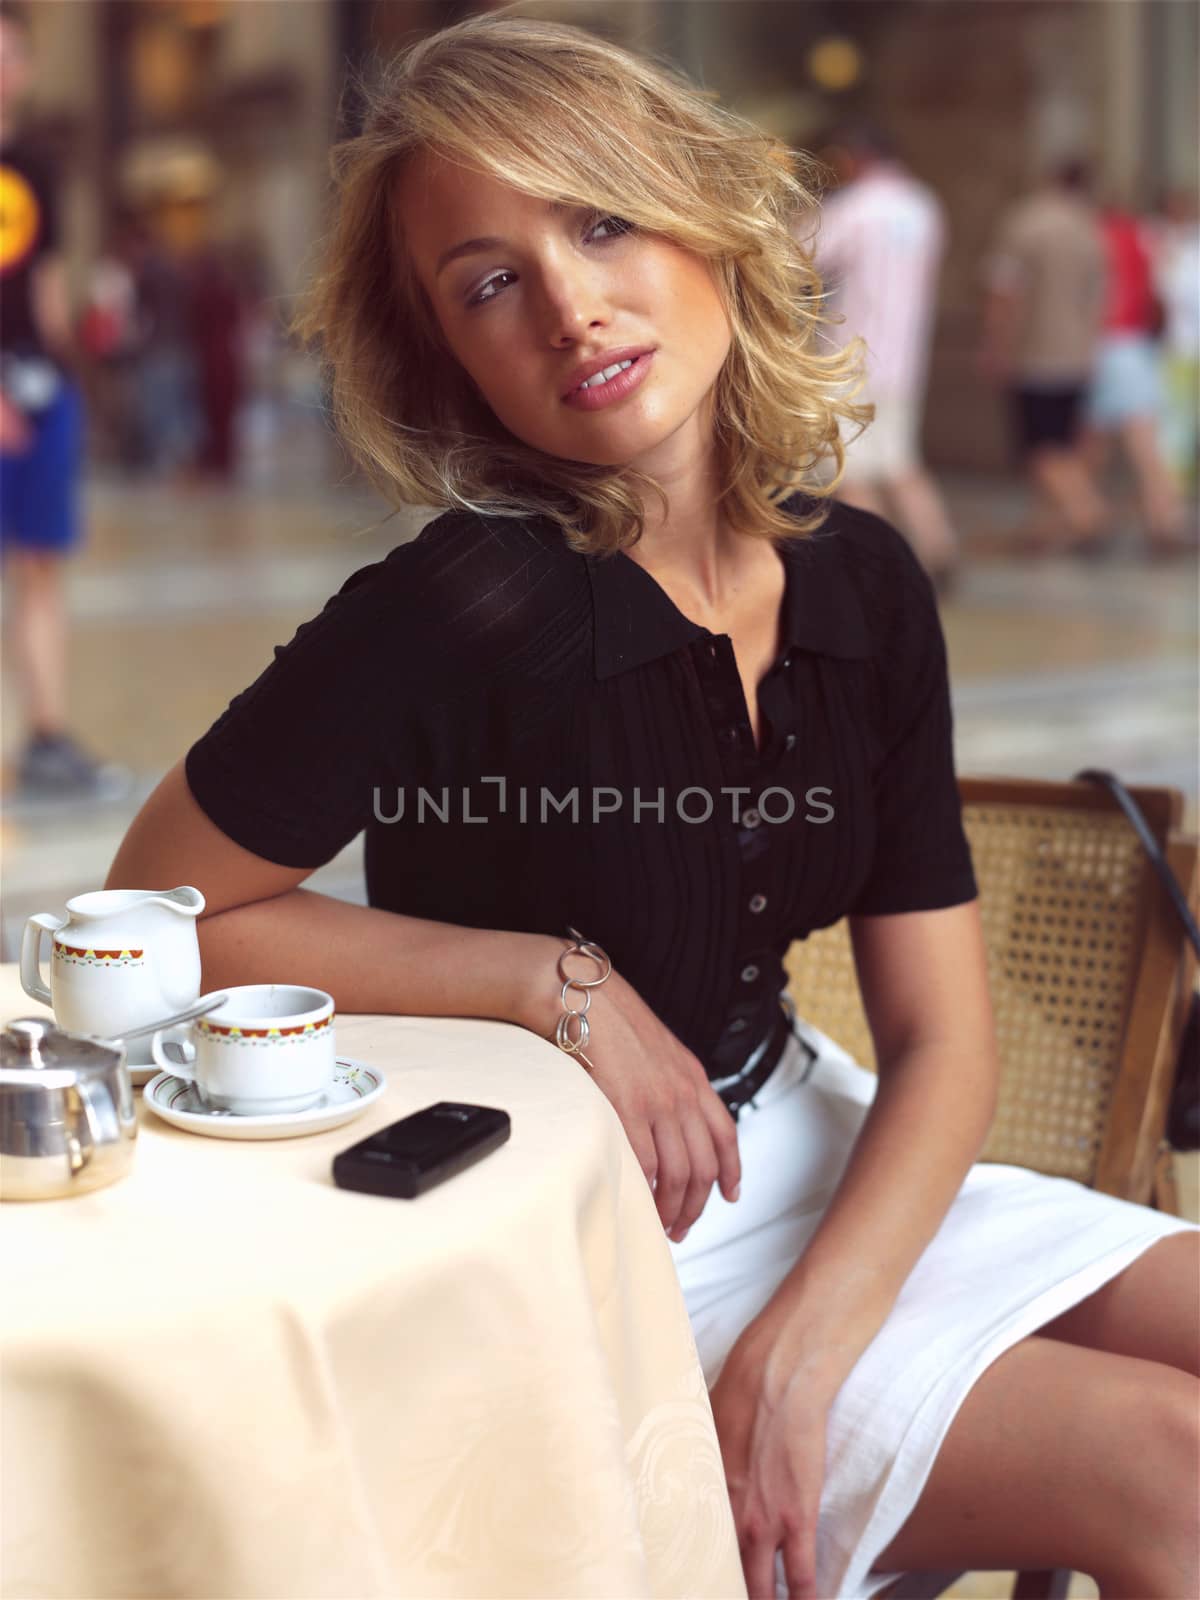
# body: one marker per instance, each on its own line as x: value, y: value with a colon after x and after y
x: 268, y: 1049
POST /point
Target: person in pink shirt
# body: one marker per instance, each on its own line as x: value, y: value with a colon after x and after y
x: 880, y: 245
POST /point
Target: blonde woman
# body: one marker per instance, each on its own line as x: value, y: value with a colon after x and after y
x: 638, y: 594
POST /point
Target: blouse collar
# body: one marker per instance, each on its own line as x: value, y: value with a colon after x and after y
x: 636, y: 621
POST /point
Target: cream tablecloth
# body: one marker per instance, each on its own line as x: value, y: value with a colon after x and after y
x: 223, y: 1376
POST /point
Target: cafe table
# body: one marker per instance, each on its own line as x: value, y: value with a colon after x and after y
x: 224, y: 1376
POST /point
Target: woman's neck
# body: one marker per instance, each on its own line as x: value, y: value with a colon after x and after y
x: 695, y: 550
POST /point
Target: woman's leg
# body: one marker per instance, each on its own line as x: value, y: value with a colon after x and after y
x: 1094, y: 446
x: 922, y: 515
x: 1150, y: 1310
x: 40, y: 635
x: 1064, y: 482
x: 1162, y: 505
x: 1062, y: 1456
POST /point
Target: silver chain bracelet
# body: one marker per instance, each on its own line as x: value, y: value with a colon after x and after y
x: 562, y: 1033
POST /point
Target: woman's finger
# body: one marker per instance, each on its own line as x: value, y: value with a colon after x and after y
x: 800, y: 1564
x: 723, y: 1132
x: 758, y: 1565
x: 702, y: 1159
x: 673, y: 1168
x: 641, y: 1139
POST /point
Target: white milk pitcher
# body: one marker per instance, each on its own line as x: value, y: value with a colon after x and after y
x: 120, y: 957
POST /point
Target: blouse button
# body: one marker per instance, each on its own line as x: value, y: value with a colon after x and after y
x: 758, y: 902
x: 729, y: 735
x: 751, y: 818
x: 790, y: 742
x: 738, y: 1025
x: 749, y: 973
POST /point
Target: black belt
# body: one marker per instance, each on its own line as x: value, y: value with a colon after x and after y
x: 762, y: 1060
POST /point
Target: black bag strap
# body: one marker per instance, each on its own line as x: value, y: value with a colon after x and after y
x: 1141, y: 827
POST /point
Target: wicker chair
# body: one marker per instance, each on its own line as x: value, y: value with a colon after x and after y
x: 1090, y: 978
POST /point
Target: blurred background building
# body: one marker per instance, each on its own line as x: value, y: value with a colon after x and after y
x: 190, y: 140
x: 212, y: 118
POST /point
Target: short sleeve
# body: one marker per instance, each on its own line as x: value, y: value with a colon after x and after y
x: 289, y: 769
x: 921, y: 859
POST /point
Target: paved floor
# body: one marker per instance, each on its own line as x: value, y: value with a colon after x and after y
x: 179, y: 597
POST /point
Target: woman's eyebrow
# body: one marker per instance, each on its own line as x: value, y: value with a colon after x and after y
x: 466, y: 248
x: 489, y: 241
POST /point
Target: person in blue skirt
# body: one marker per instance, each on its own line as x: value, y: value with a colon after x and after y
x: 41, y: 442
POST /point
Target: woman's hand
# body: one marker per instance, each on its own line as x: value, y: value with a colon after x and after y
x: 773, y: 1449
x: 681, y: 1130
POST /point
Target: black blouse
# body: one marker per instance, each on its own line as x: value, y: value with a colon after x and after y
x: 534, y: 738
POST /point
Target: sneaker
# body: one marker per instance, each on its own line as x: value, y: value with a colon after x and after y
x: 54, y: 766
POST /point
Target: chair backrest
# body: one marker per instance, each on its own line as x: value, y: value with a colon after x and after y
x: 1089, y: 974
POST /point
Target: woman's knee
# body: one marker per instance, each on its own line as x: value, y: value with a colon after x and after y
x: 1158, y: 1557
x: 1171, y: 1425
x: 1059, y: 1456
x: 34, y: 568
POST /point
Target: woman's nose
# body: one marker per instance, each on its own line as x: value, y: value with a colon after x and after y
x: 574, y: 302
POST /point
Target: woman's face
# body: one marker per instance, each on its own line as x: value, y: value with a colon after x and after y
x: 555, y: 288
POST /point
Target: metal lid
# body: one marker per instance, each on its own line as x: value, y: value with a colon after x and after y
x: 38, y: 1043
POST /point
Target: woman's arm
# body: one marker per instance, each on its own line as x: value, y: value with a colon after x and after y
x: 924, y: 986
x: 381, y: 961
x: 259, y: 926
x: 923, y: 976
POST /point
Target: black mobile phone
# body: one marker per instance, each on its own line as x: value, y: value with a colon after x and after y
x: 421, y: 1150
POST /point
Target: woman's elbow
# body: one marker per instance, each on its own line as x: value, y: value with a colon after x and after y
x: 171, y: 841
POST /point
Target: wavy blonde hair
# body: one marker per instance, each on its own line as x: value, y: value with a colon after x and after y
x: 563, y: 114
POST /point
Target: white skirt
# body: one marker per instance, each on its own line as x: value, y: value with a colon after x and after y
x: 1015, y: 1250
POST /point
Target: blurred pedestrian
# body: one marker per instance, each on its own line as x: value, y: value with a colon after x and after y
x: 1045, y: 295
x: 1127, y: 399
x: 1177, y: 279
x: 218, y: 334
x: 109, y: 334
x: 880, y: 246
x: 168, y: 385
x: 41, y: 439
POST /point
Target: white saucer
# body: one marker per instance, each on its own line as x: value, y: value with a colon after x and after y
x: 355, y: 1086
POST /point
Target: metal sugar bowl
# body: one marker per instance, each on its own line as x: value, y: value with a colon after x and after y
x: 67, y: 1120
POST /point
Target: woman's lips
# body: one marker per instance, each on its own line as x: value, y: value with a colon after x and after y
x: 607, y: 394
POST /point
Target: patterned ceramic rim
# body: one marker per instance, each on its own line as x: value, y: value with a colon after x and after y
x: 85, y: 955
x: 360, y: 1080
x: 222, y: 1033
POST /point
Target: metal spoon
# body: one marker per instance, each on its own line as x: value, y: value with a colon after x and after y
x: 174, y: 1051
x: 200, y: 1008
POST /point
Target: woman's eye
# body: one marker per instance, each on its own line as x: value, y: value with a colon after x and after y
x: 622, y: 225
x: 481, y: 296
